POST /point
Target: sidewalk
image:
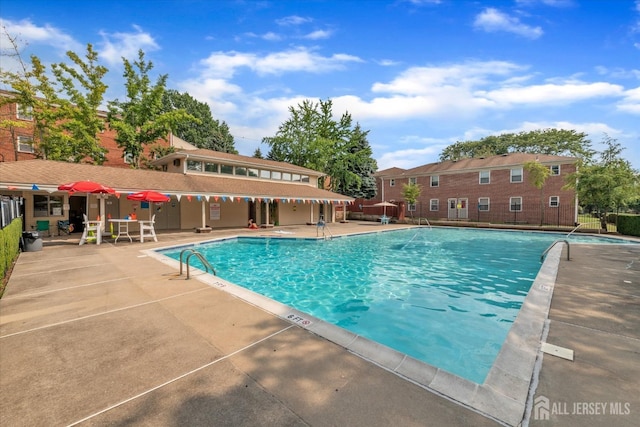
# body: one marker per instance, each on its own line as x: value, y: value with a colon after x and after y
x: 100, y: 335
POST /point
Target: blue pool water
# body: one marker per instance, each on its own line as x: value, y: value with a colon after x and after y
x: 445, y: 296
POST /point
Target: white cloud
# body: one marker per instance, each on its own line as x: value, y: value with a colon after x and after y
x: 271, y: 36
x: 550, y: 93
x: 27, y: 32
x: 115, y: 46
x: 318, y: 35
x: 293, y: 20
x: 225, y: 64
x: 631, y: 101
x: 492, y: 20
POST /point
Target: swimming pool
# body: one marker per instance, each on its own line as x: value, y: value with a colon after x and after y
x: 444, y: 296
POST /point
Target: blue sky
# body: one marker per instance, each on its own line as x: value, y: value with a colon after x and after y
x: 418, y: 74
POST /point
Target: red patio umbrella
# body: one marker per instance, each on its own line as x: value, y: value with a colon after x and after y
x: 89, y: 187
x: 86, y: 187
x: 149, y: 196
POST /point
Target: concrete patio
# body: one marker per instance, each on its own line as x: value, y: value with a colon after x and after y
x: 107, y: 335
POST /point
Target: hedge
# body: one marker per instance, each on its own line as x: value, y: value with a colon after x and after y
x: 629, y: 225
x: 9, y: 245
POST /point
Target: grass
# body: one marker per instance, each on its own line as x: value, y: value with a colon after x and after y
x: 590, y: 222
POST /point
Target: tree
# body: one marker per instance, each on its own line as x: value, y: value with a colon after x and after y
x: 258, y: 154
x: 64, y: 110
x: 140, y: 120
x: 206, y: 132
x: 352, y: 169
x: 313, y: 139
x: 558, y: 142
x: 608, y: 183
x: 538, y: 174
x: 411, y: 193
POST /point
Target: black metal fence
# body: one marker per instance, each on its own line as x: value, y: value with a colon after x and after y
x: 10, y: 209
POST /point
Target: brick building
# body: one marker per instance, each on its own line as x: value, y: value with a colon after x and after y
x: 494, y: 189
x: 20, y: 143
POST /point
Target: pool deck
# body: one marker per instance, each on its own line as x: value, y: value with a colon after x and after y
x: 108, y: 334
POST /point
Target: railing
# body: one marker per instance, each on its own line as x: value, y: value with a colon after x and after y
x: 325, y: 229
x: 198, y: 255
x: 553, y: 244
x: 574, y: 230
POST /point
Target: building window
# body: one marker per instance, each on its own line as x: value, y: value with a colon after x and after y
x: 434, y: 205
x: 25, y: 144
x: 24, y: 112
x: 435, y: 181
x: 554, y: 201
x: 127, y: 158
x: 515, y: 204
x: 276, y: 175
x: 44, y: 206
x: 226, y: 169
x: 413, y: 181
x: 485, y: 177
x: 265, y: 174
x: 305, y: 178
x: 286, y: 176
x: 516, y: 175
x: 555, y: 169
x: 483, y: 204
x: 392, y: 182
x: 253, y: 172
x: 240, y: 171
x: 194, y: 165
x: 210, y: 167
x: 295, y: 177
x: 411, y: 207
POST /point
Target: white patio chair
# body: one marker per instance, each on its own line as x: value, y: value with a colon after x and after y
x: 147, y: 229
x: 91, y: 227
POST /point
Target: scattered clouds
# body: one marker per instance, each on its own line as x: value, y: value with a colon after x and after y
x: 492, y: 20
x: 293, y: 20
x: 225, y: 64
x: 30, y: 33
x: 631, y: 101
x: 318, y: 35
x: 116, y: 46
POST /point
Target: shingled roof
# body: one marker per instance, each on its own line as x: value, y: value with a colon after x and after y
x: 47, y: 175
x: 477, y: 163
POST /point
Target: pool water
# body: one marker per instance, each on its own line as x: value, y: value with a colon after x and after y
x: 444, y: 296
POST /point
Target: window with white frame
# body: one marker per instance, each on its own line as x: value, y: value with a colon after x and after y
x: 25, y: 144
x: 47, y: 205
x: 434, y: 180
x: 434, y: 205
x: 392, y: 182
x: 210, y: 167
x: 413, y: 181
x: 265, y: 174
x: 554, y: 201
x: 276, y: 175
x: 194, y: 165
x: 411, y: 207
x: 515, y: 204
x: 516, y: 175
x: 127, y: 158
x: 485, y: 177
x: 555, y: 169
x: 24, y: 112
x: 483, y: 204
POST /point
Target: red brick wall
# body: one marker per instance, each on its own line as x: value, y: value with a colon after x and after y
x: 466, y: 185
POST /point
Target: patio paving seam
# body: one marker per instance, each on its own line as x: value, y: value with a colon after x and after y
x: 602, y: 331
x: 64, y: 322
x: 179, y: 377
x: 102, y: 282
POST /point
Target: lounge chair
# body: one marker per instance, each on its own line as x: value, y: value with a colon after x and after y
x: 64, y: 227
x: 43, y: 225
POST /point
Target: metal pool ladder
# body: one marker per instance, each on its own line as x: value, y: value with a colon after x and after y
x: 198, y: 255
x: 553, y: 244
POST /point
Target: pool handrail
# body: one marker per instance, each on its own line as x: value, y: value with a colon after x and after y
x: 553, y: 244
x: 574, y: 230
x: 198, y: 255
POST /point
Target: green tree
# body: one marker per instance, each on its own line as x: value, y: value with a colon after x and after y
x: 607, y: 184
x: 312, y: 138
x: 538, y: 174
x: 140, y: 120
x: 205, y: 132
x: 258, y: 153
x: 560, y: 142
x: 411, y: 193
x: 64, y: 110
